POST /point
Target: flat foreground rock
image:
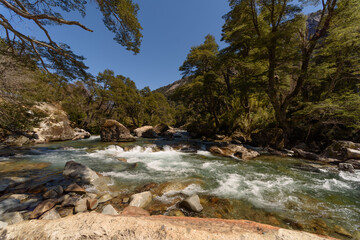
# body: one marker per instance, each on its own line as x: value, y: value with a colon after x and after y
x: 99, y: 226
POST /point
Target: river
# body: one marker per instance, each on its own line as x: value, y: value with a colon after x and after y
x: 282, y: 191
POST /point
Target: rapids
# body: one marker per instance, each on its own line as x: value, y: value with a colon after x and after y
x: 269, y: 189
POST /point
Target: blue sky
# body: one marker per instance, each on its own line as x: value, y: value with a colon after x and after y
x: 171, y: 28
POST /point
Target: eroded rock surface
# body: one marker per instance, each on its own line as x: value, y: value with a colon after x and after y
x: 100, y: 226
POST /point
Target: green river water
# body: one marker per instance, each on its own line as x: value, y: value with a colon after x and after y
x: 269, y: 189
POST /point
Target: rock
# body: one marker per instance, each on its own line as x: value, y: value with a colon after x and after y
x: 91, y: 195
x: 238, y: 151
x: 141, y: 199
x: 161, y: 128
x: 342, y: 231
x: 10, y: 204
x: 337, y: 149
x: 92, y: 204
x: 42, y: 208
x: 192, y: 203
x: 176, y: 213
x: 146, y: 132
x: 3, y: 225
x: 55, y: 127
x: 99, y: 226
x: 20, y: 197
x: 79, y: 173
x: 16, y: 140
x: 347, y: 167
x: 105, y: 198
x: 352, y: 153
x: 109, y: 210
x: 70, y: 201
x: 81, y: 134
x: 134, y: 211
x: 11, y: 218
x: 126, y: 200
x: 75, y: 188
x: 50, y: 215
x: 81, y: 205
x: 355, y: 163
x: 312, y: 156
x: 55, y: 192
x: 122, y: 160
x: 113, y: 131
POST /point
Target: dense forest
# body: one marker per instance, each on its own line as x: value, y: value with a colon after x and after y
x: 284, y: 77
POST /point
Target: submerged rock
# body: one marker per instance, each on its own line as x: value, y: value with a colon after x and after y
x: 109, y: 210
x: 192, y: 204
x: 141, y: 199
x: 347, y: 167
x: 113, y: 131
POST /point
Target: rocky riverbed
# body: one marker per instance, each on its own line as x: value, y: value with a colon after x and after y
x: 177, y: 178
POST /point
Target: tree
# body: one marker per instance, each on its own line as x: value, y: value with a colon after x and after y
x: 119, y: 16
x: 278, y: 28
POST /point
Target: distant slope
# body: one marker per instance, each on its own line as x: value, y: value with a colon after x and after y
x: 169, y: 89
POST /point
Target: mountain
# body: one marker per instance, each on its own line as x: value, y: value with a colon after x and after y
x: 169, y: 89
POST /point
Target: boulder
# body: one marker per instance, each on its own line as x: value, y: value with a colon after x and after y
x: 55, y: 192
x: 75, y: 188
x: 312, y: 156
x: 134, y: 211
x: 79, y: 173
x: 105, y: 198
x: 232, y: 150
x: 146, y: 132
x: 50, y: 215
x: 192, y: 204
x: 337, y: 149
x: 347, y: 167
x: 16, y: 140
x: 81, y: 134
x: 355, y: 163
x: 81, y: 205
x: 11, y: 204
x: 11, y: 218
x: 109, y: 210
x: 113, y: 131
x: 69, y: 201
x: 141, y: 199
x: 20, y: 197
x: 42, y: 208
x: 92, y: 204
x: 161, y: 128
x: 352, y: 153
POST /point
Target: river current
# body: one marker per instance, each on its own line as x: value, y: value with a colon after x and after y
x: 269, y: 189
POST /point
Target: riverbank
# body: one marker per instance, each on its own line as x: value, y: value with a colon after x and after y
x: 100, y: 226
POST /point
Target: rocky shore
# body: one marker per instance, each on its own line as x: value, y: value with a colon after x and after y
x: 102, y: 226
